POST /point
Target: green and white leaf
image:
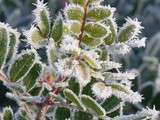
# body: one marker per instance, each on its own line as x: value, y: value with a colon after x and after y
x: 31, y: 78
x: 74, y: 12
x: 96, y: 30
x: 4, y: 42
x: 21, y: 65
x: 13, y: 44
x: 113, y: 28
x: 98, y: 13
x: 92, y: 42
x: 71, y: 96
x: 57, y: 29
x: 90, y: 103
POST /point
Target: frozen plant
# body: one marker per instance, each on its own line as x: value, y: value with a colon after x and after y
x: 80, y: 45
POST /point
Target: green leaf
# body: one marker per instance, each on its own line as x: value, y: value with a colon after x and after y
x: 74, y: 86
x: 92, y: 42
x: 7, y: 114
x: 21, y: 66
x: 35, y: 91
x: 71, y: 96
x: 126, y: 33
x: 62, y: 113
x: 75, y: 27
x: 37, y: 38
x: 90, y: 103
x: 96, y: 30
x: 32, y: 76
x: 112, y: 36
x: 99, y: 13
x: 57, y: 29
x: 80, y: 2
x: 44, y: 22
x: 110, y: 103
x: 12, y: 46
x: 4, y: 41
x: 74, y: 12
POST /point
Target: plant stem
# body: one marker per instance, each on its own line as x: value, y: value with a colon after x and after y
x: 83, y: 22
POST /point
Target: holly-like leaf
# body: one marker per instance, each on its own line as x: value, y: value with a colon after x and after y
x: 71, y: 96
x: 57, y: 29
x: 90, y: 103
x: 21, y: 66
x: 32, y: 76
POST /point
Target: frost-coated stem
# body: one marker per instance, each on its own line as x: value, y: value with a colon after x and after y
x: 83, y: 21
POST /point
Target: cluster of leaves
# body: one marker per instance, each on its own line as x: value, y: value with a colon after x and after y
x: 80, y: 79
x: 146, y: 61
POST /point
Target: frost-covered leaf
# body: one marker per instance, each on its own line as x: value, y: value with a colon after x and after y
x: 83, y: 73
x: 32, y: 76
x: 101, y: 91
x: 21, y: 66
x: 75, y: 27
x: 71, y: 96
x: 42, y: 17
x: 13, y: 44
x: 130, y: 30
x: 7, y: 114
x: 99, y: 13
x: 96, y: 30
x: 74, y: 12
x: 93, y: 105
x: 57, y: 29
x: 35, y: 37
x: 113, y: 28
x: 91, y: 58
x: 91, y: 42
x: 4, y: 41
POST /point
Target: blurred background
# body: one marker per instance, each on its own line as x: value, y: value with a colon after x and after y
x: 18, y: 13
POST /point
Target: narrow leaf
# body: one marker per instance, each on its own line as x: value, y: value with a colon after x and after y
x: 57, y: 29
